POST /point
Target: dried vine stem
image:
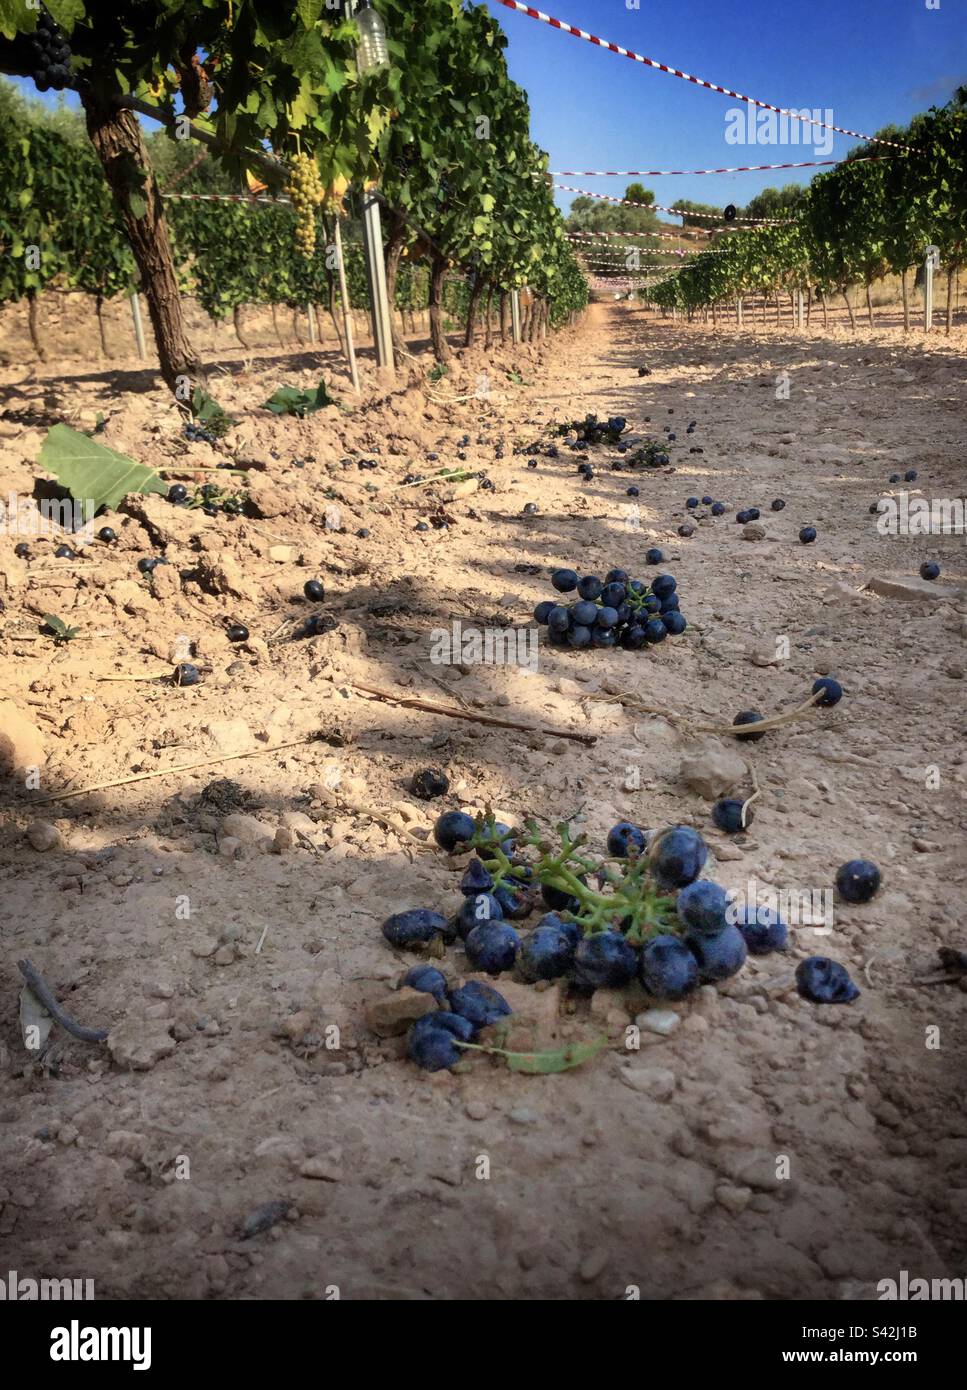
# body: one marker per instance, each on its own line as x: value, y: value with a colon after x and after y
x: 431, y: 707
x: 157, y: 772
x: 740, y: 731
x: 42, y: 990
x: 764, y: 726
x: 749, y: 800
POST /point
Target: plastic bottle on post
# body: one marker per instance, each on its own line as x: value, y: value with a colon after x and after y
x: 372, y: 51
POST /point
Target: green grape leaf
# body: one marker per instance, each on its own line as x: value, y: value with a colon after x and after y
x: 93, y: 474
x: 287, y: 400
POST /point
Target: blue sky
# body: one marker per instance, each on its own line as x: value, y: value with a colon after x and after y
x: 871, y: 61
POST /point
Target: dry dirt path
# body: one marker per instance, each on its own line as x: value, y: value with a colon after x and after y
x: 655, y: 1169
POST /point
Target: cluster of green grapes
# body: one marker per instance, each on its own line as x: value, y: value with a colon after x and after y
x: 306, y: 192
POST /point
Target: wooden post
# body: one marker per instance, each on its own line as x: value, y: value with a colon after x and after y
x: 376, y: 280
x: 138, y: 325
x: 930, y: 262
x: 515, y: 315
x: 346, y: 315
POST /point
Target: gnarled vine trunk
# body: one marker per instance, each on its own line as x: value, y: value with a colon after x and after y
x: 392, y: 252
x: 950, y: 298
x: 869, y: 302
x: 438, y: 337
x: 475, y: 294
x: 116, y: 136
x: 99, y: 311
x: 906, y: 300
x: 237, y: 325
x: 503, y: 316
x: 488, y: 326
x: 33, y: 323
x: 849, y: 307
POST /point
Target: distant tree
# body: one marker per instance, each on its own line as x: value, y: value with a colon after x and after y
x: 692, y: 213
x: 775, y: 202
x: 592, y: 215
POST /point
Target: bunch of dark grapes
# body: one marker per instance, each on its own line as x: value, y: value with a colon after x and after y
x: 650, y: 455
x: 591, y: 430
x: 210, y: 498
x: 614, y: 612
x: 306, y: 192
x: 198, y: 432
x: 51, y: 55
x: 405, y: 160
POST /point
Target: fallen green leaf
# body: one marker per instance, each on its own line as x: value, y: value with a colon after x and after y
x: 287, y: 400
x: 93, y: 474
x: 62, y: 633
x: 544, y: 1063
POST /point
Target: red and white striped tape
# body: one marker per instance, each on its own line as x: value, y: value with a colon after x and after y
x: 697, y: 81
x: 652, y: 250
x: 606, y: 258
x: 225, y: 198
x: 731, y: 169
x: 666, y: 236
x: 678, y: 212
x: 599, y: 268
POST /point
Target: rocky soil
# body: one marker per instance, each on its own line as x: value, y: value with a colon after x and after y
x: 251, y: 1129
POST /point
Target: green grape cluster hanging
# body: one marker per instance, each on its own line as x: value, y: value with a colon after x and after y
x: 306, y: 192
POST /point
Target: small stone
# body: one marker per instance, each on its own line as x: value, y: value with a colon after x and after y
x: 126, y: 1143
x: 661, y: 1021
x: 247, y: 829
x: 753, y: 531
x: 523, y: 1115
x: 21, y: 742
x: 656, y: 1082
x: 296, y: 1025
x: 225, y: 955
x: 266, y: 1216
x: 393, y: 1013
x: 281, y: 554
x: 733, y: 1199
x: 476, y: 1110
x: 593, y: 1265
x: 909, y: 588
x: 712, y: 772
x: 727, y: 853
x: 764, y: 654
x: 44, y: 836
x: 137, y: 1048
x: 322, y: 1169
